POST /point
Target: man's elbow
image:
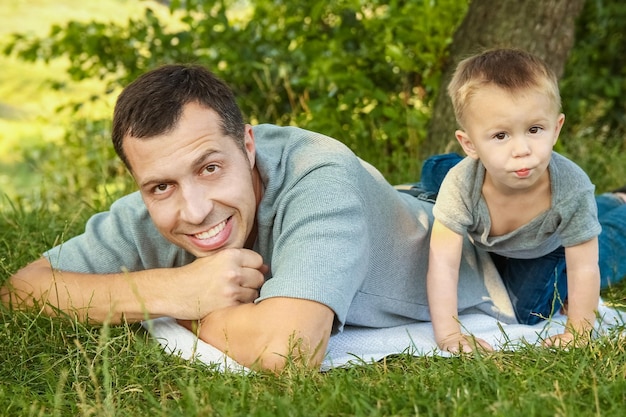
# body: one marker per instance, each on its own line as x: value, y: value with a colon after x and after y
x: 271, y: 335
x: 297, y: 351
x: 18, y: 291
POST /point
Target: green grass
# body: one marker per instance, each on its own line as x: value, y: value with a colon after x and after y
x: 62, y: 368
x: 58, y: 367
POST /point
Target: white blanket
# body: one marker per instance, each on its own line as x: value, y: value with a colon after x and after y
x: 357, y: 345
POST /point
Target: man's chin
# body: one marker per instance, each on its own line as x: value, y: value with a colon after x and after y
x: 202, y: 252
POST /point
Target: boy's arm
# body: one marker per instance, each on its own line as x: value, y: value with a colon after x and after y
x: 271, y: 333
x: 583, y: 283
x: 188, y: 292
x: 442, y: 283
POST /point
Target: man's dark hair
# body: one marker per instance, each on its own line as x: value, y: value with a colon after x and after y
x: 153, y: 104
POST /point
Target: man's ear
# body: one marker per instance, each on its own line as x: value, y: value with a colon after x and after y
x: 250, y: 146
x: 466, y: 143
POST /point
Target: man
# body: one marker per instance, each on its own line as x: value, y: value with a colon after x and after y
x: 271, y: 237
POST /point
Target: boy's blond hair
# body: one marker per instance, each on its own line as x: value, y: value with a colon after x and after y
x: 510, y: 69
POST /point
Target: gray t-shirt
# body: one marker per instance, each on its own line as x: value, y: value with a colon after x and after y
x: 330, y: 227
x: 572, y: 218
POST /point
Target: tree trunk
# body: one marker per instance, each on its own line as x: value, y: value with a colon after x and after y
x: 545, y: 28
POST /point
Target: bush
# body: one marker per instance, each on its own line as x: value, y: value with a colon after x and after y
x: 363, y: 71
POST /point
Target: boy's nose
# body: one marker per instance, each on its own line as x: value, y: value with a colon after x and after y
x: 520, y: 147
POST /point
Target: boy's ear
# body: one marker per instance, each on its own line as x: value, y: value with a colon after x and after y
x: 557, y: 130
x: 466, y: 144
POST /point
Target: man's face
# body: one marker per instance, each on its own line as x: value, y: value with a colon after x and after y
x: 200, y: 189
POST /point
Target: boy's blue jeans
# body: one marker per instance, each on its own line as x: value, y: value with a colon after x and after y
x: 538, y: 287
x: 612, y: 239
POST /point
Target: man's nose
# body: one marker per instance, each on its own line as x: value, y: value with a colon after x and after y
x: 196, y: 205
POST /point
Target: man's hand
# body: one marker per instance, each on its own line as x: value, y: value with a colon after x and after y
x: 462, y: 343
x: 223, y: 279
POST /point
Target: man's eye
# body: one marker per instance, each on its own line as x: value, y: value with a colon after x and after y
x: 210, y: 169
x: 161, y: 188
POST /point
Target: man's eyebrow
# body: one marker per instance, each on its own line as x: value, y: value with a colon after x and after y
x: 153, y: 181
x: 202, y: 158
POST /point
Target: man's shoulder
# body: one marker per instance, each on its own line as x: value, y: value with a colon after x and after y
x: 298, y: 150
x: 292, y: 136
x: 131, y: 202
x: 129, y: 211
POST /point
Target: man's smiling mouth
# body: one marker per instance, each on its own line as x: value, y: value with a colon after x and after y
x: 214, y: 231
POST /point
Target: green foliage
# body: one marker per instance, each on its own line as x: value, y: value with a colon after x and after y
x: 364, y: 72
x: 107, y: 51
x: 594, y: 84
x: 593, y: 89
x: 83, y: 167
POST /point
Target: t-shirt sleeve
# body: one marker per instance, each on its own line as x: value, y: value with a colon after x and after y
x: 453, y: 206
x: 575, y: 203
x: 321, y: 243
x: 121, y: 239
x: 579, y: 216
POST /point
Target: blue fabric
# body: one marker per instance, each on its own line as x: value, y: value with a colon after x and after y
x: 537, y: 287
x: 612, y: 240
x: 435, y: 168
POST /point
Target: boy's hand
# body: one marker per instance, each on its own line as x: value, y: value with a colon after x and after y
x: 462, y: 343
x: 567, y: 339
x: 583, y: 284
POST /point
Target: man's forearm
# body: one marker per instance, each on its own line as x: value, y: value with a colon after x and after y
x: 227, y: 278
x: 88, y: 297
x: 269, y: 334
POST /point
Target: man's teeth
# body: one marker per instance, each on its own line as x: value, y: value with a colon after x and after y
x: 211, y: 232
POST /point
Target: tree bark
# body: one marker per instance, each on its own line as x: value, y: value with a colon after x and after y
x: 543, y: 27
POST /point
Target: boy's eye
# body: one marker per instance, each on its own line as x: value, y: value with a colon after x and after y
x: 534, y: 129
x: 500, y: 136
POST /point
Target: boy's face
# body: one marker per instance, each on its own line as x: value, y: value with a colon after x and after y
x: 200, y: 189
x: 512, y: 134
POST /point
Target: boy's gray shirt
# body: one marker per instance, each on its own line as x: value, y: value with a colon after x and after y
x: 572, y: 218
x: 330, y: 227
